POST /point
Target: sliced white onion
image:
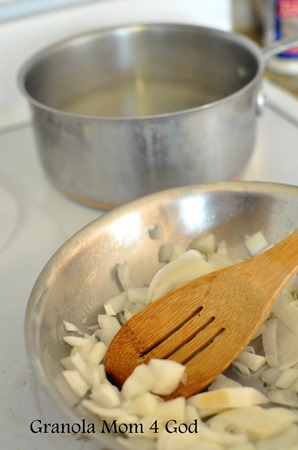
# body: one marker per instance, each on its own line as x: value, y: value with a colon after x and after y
x: 137, y: 295
x: 97, y: 353
x: 269, y: 337
x: 145, y: 404
x: 223, y: 382
x: 124, y: 276
x: 252, y: 361
x: 76, y: 382
x: 255, y: 421
x: 76, y: 341
x: 171, y: 409
x: 186, y: 260
x: 271, y: 375
x: 167, y: 375
x: 256, y: 243
x: 69, y: 326
x: 115, y: 304
x: 236, y: 423
x: 205, y: 243
x: 285, y: 397
x: 237, y: 397
x: 102, y: 411
x: 106, y: 395
x: 286, y: 378
x: 169, y: 252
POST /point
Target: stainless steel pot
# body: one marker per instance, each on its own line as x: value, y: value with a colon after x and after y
x: 127, y: 111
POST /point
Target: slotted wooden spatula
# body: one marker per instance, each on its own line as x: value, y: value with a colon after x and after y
x: 207, y: 322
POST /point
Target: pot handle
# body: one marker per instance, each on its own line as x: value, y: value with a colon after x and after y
x: 267, y: 52
x: 279, y: 47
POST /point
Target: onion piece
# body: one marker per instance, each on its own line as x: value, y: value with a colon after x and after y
x: 285, y: 397
x: 237, y: 397
x: 269, y: 338
x: 167, y: 375
x: 76, y: 341
x: 286, y: 314
x: 137, y: 295
x: 256, y: 243
x: 252, y: 361
x: 124, y: 276
x: 186, y: 259
x: 271, y: 375
x: 255, y: 421
x: 185, y: 268
x: 242, y: 368
x: 171, y: 409
x: 70, y: 326
x: 169, y: 252
x: 286, y: 378
x: 287, y: 347
x: 177, y: 441
x: 97, y: 353
x: 115, y: 304
x: 205, y: 244
x: 108, y: 322
x: 222, y: 437
x: 219, y: 261
x: 145, y: 404
x: 284, y: 441
x: 76, y: 382
x: 141, y: 380
x: 106, y: 395
x: 223, y: 382
x: 102, y: 411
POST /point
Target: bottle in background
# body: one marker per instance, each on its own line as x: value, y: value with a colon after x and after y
x: 281, y: 21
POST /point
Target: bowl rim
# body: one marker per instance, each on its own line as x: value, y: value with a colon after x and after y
x: 42, y: 285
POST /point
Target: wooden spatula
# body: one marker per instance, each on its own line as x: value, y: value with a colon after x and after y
x: 207, y: 322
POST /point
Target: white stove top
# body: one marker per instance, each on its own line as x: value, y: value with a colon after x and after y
x: 35, y: 220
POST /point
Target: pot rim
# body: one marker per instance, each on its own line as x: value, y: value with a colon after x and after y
x: 246, y: 42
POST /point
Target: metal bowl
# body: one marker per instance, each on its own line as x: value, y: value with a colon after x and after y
x: 81, y: 275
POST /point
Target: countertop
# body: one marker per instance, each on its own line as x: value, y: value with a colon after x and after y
x: 36, y: 220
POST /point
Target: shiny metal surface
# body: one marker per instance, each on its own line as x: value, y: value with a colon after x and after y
x: 127, y: 111
x: 80, y: 276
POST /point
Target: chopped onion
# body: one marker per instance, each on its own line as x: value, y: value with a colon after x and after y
x: 97, y: 353
x: 115, y: 304
x: 76, y: 382
x: 231, y: 414
x: 76, y: 341
x: 223, y: 382
x: 169, y: 252
x: 252, y: 361
x: 69, y: 326
x: 256, y: 243
x: 284, y: 397
x: 124, y: 276
x: 223, y: 398
x: 167, y: 375
x: 185, y: 268
x: 255, y: 421
x: 205, y: 244
x: 106, y: 395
